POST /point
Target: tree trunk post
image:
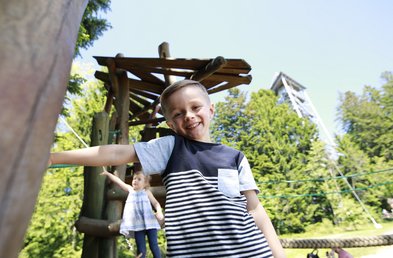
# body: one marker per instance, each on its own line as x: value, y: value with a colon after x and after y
x: 94, y: 186
x: 114, y: 209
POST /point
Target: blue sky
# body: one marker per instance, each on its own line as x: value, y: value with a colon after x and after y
x: 330, y: 47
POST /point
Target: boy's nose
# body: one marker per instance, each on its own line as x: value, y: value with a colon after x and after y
x: 190, y: 115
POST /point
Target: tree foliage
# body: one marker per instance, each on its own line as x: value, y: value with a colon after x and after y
x: 229, y: 120
x: 284, y: 153
x: 91, y: 28
x: 366, y: 148
x: 51, y: 232
x: 367, y: 119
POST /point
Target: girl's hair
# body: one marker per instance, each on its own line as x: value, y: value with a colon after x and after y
x: 147, y: 178
x: 175, y: 87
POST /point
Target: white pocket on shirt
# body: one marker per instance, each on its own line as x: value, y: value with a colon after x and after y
x: 228, y: 182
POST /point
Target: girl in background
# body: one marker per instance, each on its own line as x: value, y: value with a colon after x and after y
x: 138, y: 215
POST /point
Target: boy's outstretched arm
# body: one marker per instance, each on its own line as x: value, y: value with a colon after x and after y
x: 264, y: 223
x: 103, y: 155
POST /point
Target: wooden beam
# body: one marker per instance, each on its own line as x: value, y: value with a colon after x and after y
x: 163, y: 51
x: 110, y: 63
x: 130, y: 62
x: 97, y: 227
x: 108, y: 102
x: 246, y: 80
x: 94, y: 185
x: 103, y: 77
x: 142, y: 85
x: 219, y: 78
x: 147, y: 121
x: 145, y: 94
x: 159, y: 70
x: 138, y: 99
x: 145, y: 109
x: 210, y: 68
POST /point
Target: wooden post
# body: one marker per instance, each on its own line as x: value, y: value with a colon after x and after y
x: 114, y: 209
x: 37, y: 46
x: 94, y: 186
x: 163, y: 52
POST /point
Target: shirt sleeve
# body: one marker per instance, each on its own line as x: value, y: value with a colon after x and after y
x: 246, y: 179
x: 154, y: 154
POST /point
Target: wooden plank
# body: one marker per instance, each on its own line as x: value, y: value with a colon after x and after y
x: 165, y: 63
x: 147, y: 77
x: 145, y: 109
x: 163, y: 71
x: 210, y: 68
x: 216, y: 80
x: 229, y: 78
x: 222, y: 87
x: 182, y: 63
x: 147, y: 121
x: 226, y: 70
x: 225, y: 86
x: 140, y: 100
x: 145, y: 94
x: 112, y: 77
x: 103, y: 77
x: 237, y: 63
x: 134, y: 108
x: 94, y: 184
x: 108, y: 102
x: 142, y: 85
x: 163, y: 52
x: 97, y: 227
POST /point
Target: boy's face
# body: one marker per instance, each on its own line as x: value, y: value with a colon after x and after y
x: 189, y: 113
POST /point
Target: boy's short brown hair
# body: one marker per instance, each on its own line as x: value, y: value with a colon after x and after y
x: 175, y: 87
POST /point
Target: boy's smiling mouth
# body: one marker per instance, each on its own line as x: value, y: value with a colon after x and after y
x: 193, y: 125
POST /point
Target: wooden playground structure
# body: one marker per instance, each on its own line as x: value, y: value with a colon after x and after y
x: 134, y: 86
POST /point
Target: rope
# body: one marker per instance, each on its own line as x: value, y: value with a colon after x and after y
x: 286, y: 196
x: 338, y: 242
x: 389, y: 170
x: 62, y: 166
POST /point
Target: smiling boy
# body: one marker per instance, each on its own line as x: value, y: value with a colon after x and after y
x: 212, y: 208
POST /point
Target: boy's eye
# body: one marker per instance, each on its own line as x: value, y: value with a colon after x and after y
x: 177, y: 115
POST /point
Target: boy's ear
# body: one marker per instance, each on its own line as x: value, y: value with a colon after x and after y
x: 211, y: 111
x: 170, y: 124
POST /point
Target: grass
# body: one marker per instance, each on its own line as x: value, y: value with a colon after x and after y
x: 329, y: 231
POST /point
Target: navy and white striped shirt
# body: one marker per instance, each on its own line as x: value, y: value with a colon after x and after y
x: 205, y: 212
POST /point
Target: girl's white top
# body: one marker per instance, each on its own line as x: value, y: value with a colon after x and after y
x: 138, y: 214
